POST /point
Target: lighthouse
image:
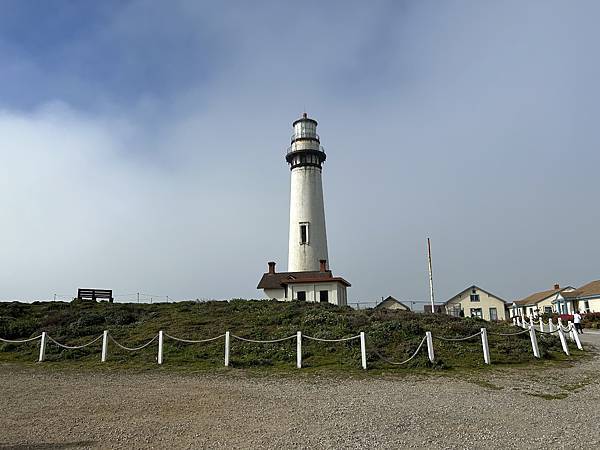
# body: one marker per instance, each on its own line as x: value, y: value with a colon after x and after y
x: 309, y: 277
x: 307, y: 237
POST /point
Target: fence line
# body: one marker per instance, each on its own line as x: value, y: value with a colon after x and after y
x: 269, y: 341
x: 188, y: 341
x: 132, y: 349
x: 77, y: 347
x: 383, y: 358
x: 106, y: 336
x: 457, y: 339
x: 9, y: 341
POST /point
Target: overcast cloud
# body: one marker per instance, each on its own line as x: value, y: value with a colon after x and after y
x: 142, y: 144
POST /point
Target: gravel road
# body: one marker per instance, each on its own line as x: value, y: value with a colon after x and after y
x: 44, y: 408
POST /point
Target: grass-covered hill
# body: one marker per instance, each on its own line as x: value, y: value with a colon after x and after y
x: 393, y: 334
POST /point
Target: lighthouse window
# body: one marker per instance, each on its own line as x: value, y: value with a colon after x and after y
x: 304, y: 233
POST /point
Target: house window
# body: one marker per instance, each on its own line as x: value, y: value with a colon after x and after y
x: 476, y: 312
x: 474, y: 296
x: 547, y: 309
x: 586, y: 305
x: 324, y: 296
x: 304, y: 233
x: 302, y: 296
x: 493, y: 314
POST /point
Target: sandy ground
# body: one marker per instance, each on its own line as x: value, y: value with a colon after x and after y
x: 43, y: 408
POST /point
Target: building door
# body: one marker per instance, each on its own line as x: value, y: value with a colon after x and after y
x: 324, y: 296
x: 493, y: 314
x: 302, y: 296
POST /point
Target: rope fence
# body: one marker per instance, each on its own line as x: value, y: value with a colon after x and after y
x: 383, y: 358
x: 9, y: 341
x: 562, y: 331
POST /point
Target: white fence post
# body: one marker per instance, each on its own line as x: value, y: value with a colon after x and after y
x: 531, y: 322
x: 104, y: 345
x: 430, y: 346
x: 42, y: 347
x: 518, y: 321
x: 541, y: 325
x: 534, y: 344
x: 559, y: 321
x: 160, y: 347
x: 563, y: 341
x: 299, y: 349
x: 571, y: 330
x: 486, y: 348
x: 514, y: 321
x: 363, y: 350
x: 227, y: 349
x: 576, y: 339
x: 550, y: 325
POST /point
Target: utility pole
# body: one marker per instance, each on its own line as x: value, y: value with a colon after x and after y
x: 54, y: 297
x: 430, y: 275
x: 138, y: 297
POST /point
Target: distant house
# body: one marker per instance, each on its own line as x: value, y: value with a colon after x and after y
x: 311, y: 286
x: 391, y: 303
x: 439, y: 308
x: 543, y: 302
x: 585, y: 299
x: 477, y: 302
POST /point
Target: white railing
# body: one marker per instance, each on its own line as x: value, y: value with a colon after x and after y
x: 428, y: 338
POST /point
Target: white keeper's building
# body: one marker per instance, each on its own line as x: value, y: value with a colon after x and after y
x: 309, y: 277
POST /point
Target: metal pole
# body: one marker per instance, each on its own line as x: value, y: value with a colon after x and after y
x: 138, y: 297
x: 430, y: 275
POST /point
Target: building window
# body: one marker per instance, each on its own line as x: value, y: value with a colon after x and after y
x: 547, y: 309
x: 324, y: 296
x: 586, y: 305
x: 474, y: 296
x: 476, y: 312
x: 493, y: 314
x: 304, y: 233
x: 302, y: 296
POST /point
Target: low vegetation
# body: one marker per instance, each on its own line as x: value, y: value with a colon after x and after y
x: 392, y: 334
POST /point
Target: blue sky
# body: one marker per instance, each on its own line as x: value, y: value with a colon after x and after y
x: 469, y: 122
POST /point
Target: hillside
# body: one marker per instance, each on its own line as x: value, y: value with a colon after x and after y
x: 393, y: 334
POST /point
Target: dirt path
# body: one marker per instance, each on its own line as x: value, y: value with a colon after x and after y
x: 502, y: 408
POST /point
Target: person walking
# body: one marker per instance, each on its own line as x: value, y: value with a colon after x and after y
x: 577, y: 322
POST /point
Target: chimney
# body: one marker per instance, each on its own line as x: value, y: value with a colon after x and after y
x: 271, y: 267
x: 323, y: 263
x: 557, y: 286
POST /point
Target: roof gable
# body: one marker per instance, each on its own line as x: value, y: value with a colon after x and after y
x: 279, y: 280
x: 537, y: 297
x: 591, y: 289
x: 478, y: 288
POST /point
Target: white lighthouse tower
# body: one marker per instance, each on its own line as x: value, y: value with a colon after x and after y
x: 309, y: 277
x: 307, y: 238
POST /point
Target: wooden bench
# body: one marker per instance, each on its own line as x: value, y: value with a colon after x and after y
x: 95, y: 294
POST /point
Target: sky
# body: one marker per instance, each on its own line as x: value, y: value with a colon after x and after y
x: 142, y: 144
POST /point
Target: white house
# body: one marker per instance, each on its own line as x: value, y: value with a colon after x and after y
x: 310, y: 286
x: 391, y: 303
x: 543, y: 302
x: 476, y: 302
x: 584, y: 299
